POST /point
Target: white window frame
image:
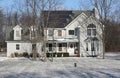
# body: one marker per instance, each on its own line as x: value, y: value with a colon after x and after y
x: 17, y: 46
x: 17, y: 33
x: 90, y: 31
x: 70, y: 33
x: 60, y: 48
x: 59, y: 32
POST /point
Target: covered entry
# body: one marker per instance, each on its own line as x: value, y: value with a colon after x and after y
x: 67, y: 45
x: 92, y: 46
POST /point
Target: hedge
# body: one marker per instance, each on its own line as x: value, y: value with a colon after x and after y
x: 58, y: 54
x: 65, y: 54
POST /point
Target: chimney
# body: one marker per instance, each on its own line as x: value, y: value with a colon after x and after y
x: 96, y: 13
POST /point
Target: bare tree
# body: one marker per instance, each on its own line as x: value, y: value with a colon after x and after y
x: 34, y: 31
x: 31, y: 12
x: 104, y: 8
x: 47, y: 5
x: 34, y: 11
x: 2, y: 28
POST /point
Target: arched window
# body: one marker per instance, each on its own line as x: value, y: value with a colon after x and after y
x: 91, y: 30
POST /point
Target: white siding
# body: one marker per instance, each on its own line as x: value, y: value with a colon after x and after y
x: 39, y: 48
x: 83, y: 35
x: 74, y: 24
x: 81, y: 22
x: 24, y: 47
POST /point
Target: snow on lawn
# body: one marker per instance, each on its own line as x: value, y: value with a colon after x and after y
x: 111, y: 55
x: 3, y: 58
x: 86, y: 67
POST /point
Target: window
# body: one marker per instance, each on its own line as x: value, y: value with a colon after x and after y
x: 92, y: 47
x: 97, y: 46
x: 86, y: 46
x: 17, y: 34
x: 76, y: 31
x: 94, y: 32
x: 64, y: 44
x: 50, y: 47
x: 59, y: 32
x: 60, y: 47
x: 71, y: 32
x: 50, y: 32
x: 91, y: 30
x: 17, y: 46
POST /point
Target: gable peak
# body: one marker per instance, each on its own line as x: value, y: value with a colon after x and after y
x: 17, y: 27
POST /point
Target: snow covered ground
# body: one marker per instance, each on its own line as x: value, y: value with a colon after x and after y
x: 3, y: 58
x: 111, y: 55
x: 86, y: 67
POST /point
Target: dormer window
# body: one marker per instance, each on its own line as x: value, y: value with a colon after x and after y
x: 17, y: 32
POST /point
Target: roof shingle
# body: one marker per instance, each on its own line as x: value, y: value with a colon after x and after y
x: 59, y: 19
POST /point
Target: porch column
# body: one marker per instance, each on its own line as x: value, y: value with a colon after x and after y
x: 67, y: 47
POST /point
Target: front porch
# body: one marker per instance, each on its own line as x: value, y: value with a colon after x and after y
x: 63, y: 47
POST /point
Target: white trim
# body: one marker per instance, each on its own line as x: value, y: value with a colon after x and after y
x: 18, y: 41
x: 88, y: 19
x: 17, y: 26
x: 57, y: 28
x: 76, y: 19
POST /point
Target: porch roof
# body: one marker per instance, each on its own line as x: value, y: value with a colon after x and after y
x: 63, y: 40
x: 89, y: 39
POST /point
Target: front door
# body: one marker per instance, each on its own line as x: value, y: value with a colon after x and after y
x: 71, y: 48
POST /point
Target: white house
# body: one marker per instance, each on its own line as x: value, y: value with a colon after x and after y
x: 74, y: 32
x: 18, y: 40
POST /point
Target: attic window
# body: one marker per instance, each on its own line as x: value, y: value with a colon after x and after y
x: 91, y: 30
x: 71, y: 32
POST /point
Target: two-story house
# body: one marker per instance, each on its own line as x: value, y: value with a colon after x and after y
x: 74, y: 32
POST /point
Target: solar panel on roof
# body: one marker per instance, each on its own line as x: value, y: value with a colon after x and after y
x: 61, y: 18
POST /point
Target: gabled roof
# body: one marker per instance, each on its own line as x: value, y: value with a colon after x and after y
x: 25, y: 34
x: 89, y: 39
x: 17, y: 27
x: 9, y: 33
x: 60, y: 19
